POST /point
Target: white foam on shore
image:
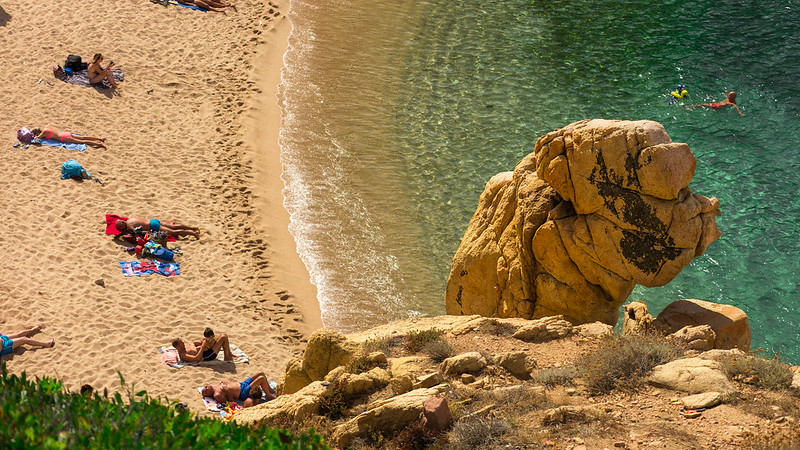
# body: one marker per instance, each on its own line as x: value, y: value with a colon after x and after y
x: 337, y: 237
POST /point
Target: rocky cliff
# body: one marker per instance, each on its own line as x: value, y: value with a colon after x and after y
x: 598, y: 207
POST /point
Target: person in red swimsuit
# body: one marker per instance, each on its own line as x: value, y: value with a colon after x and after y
x: 730, y: 100
x: 66, y: 136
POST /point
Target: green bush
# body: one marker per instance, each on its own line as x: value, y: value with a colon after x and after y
x: 760, y: 369
x: 622, y: 361
x: 417, y: 340
x: 42, y: 414
x: 334, y: 402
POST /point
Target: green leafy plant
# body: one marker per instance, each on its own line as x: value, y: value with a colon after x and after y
x: 42, y: 414
x: 334, y: 402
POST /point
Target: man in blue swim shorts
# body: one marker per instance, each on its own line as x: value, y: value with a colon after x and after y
x: 13, y: 341
x: 246, y: 391
x: 175, y: 229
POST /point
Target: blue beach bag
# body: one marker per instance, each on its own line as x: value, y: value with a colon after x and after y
x: 71, y: 169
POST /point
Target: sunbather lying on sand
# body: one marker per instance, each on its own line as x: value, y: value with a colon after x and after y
x: 12, y: 341
x: 246, y: 391
x: 211, y: 5
x: 202, y: 351
x: 156, y: 225
x: 66, y: 136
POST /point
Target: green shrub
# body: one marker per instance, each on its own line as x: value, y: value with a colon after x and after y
x: 760, y: 369
x: 417, y: 340
x: 42, y: 414
x: 334, y: 402
x: 438, y: 350
x: 622, y: 361
x: 558, y: 376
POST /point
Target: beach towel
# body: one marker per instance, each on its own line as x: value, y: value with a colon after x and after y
x: 227, y: 411
x: 81, y: 78
x: 169, y: 356
x: 139, y: 268
x: 111, y: 227
x: 57, y: 143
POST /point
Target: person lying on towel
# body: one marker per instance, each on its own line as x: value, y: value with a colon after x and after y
x: 65, y: 136
x: 202, y: 352
x: 155, y: 225
x: 247, y: 391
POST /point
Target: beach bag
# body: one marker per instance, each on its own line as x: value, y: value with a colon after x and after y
x: 72, y: 169
x: 59, y: 73
x: 24, y: 135
x: 73, y: 63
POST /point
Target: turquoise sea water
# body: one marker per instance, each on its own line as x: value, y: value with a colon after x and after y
x: 397, y: 113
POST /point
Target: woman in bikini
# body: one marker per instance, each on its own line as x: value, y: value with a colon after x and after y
x: 730, y: 100
x: 98, y: 73
x: 66, y: 136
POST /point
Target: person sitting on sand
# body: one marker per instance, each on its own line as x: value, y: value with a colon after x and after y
x: 12, y: 341
x: 65, y: 136
x: 227, y: 391
x: 155, y: 225
x: 211, y: 5
x: 210, y: 345
x: 730, y: 100
x: 197, y: 353
x: 98, y: 73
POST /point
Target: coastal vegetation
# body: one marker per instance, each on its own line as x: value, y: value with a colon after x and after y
x: 41, y: 413
x: 507, y: 386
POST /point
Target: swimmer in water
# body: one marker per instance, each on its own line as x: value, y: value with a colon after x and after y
x: 679, y: 93
x: 730, y: 100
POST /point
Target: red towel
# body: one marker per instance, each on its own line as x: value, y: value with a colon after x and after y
x: 111, y: 226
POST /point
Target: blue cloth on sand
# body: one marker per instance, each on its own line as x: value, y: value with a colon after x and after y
x: 155, y: 224
x: 8, y: 345
x: 56, y: 143
x: 244, y: 389
x: 71, y: 169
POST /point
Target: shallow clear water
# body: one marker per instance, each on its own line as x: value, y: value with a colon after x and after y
x: 397, y: 113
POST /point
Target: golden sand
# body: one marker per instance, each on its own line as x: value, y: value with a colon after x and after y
x: 192, y: 138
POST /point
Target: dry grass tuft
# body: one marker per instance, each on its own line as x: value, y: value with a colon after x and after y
x: 417, y: 340
x: 772, y: 437
x: 559, y: 376
x: 475, y: 432
x: 622, y: 361
x: 760, y: 369
x: 438, y: 350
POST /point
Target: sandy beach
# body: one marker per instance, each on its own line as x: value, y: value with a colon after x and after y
x: 192, y: 137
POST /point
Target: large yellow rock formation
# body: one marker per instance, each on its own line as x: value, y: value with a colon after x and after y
x: 599, y: 206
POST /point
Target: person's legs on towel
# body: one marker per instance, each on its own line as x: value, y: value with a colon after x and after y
x: 223, y: 343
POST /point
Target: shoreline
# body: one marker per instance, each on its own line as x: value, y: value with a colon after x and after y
x: 264, y: 126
